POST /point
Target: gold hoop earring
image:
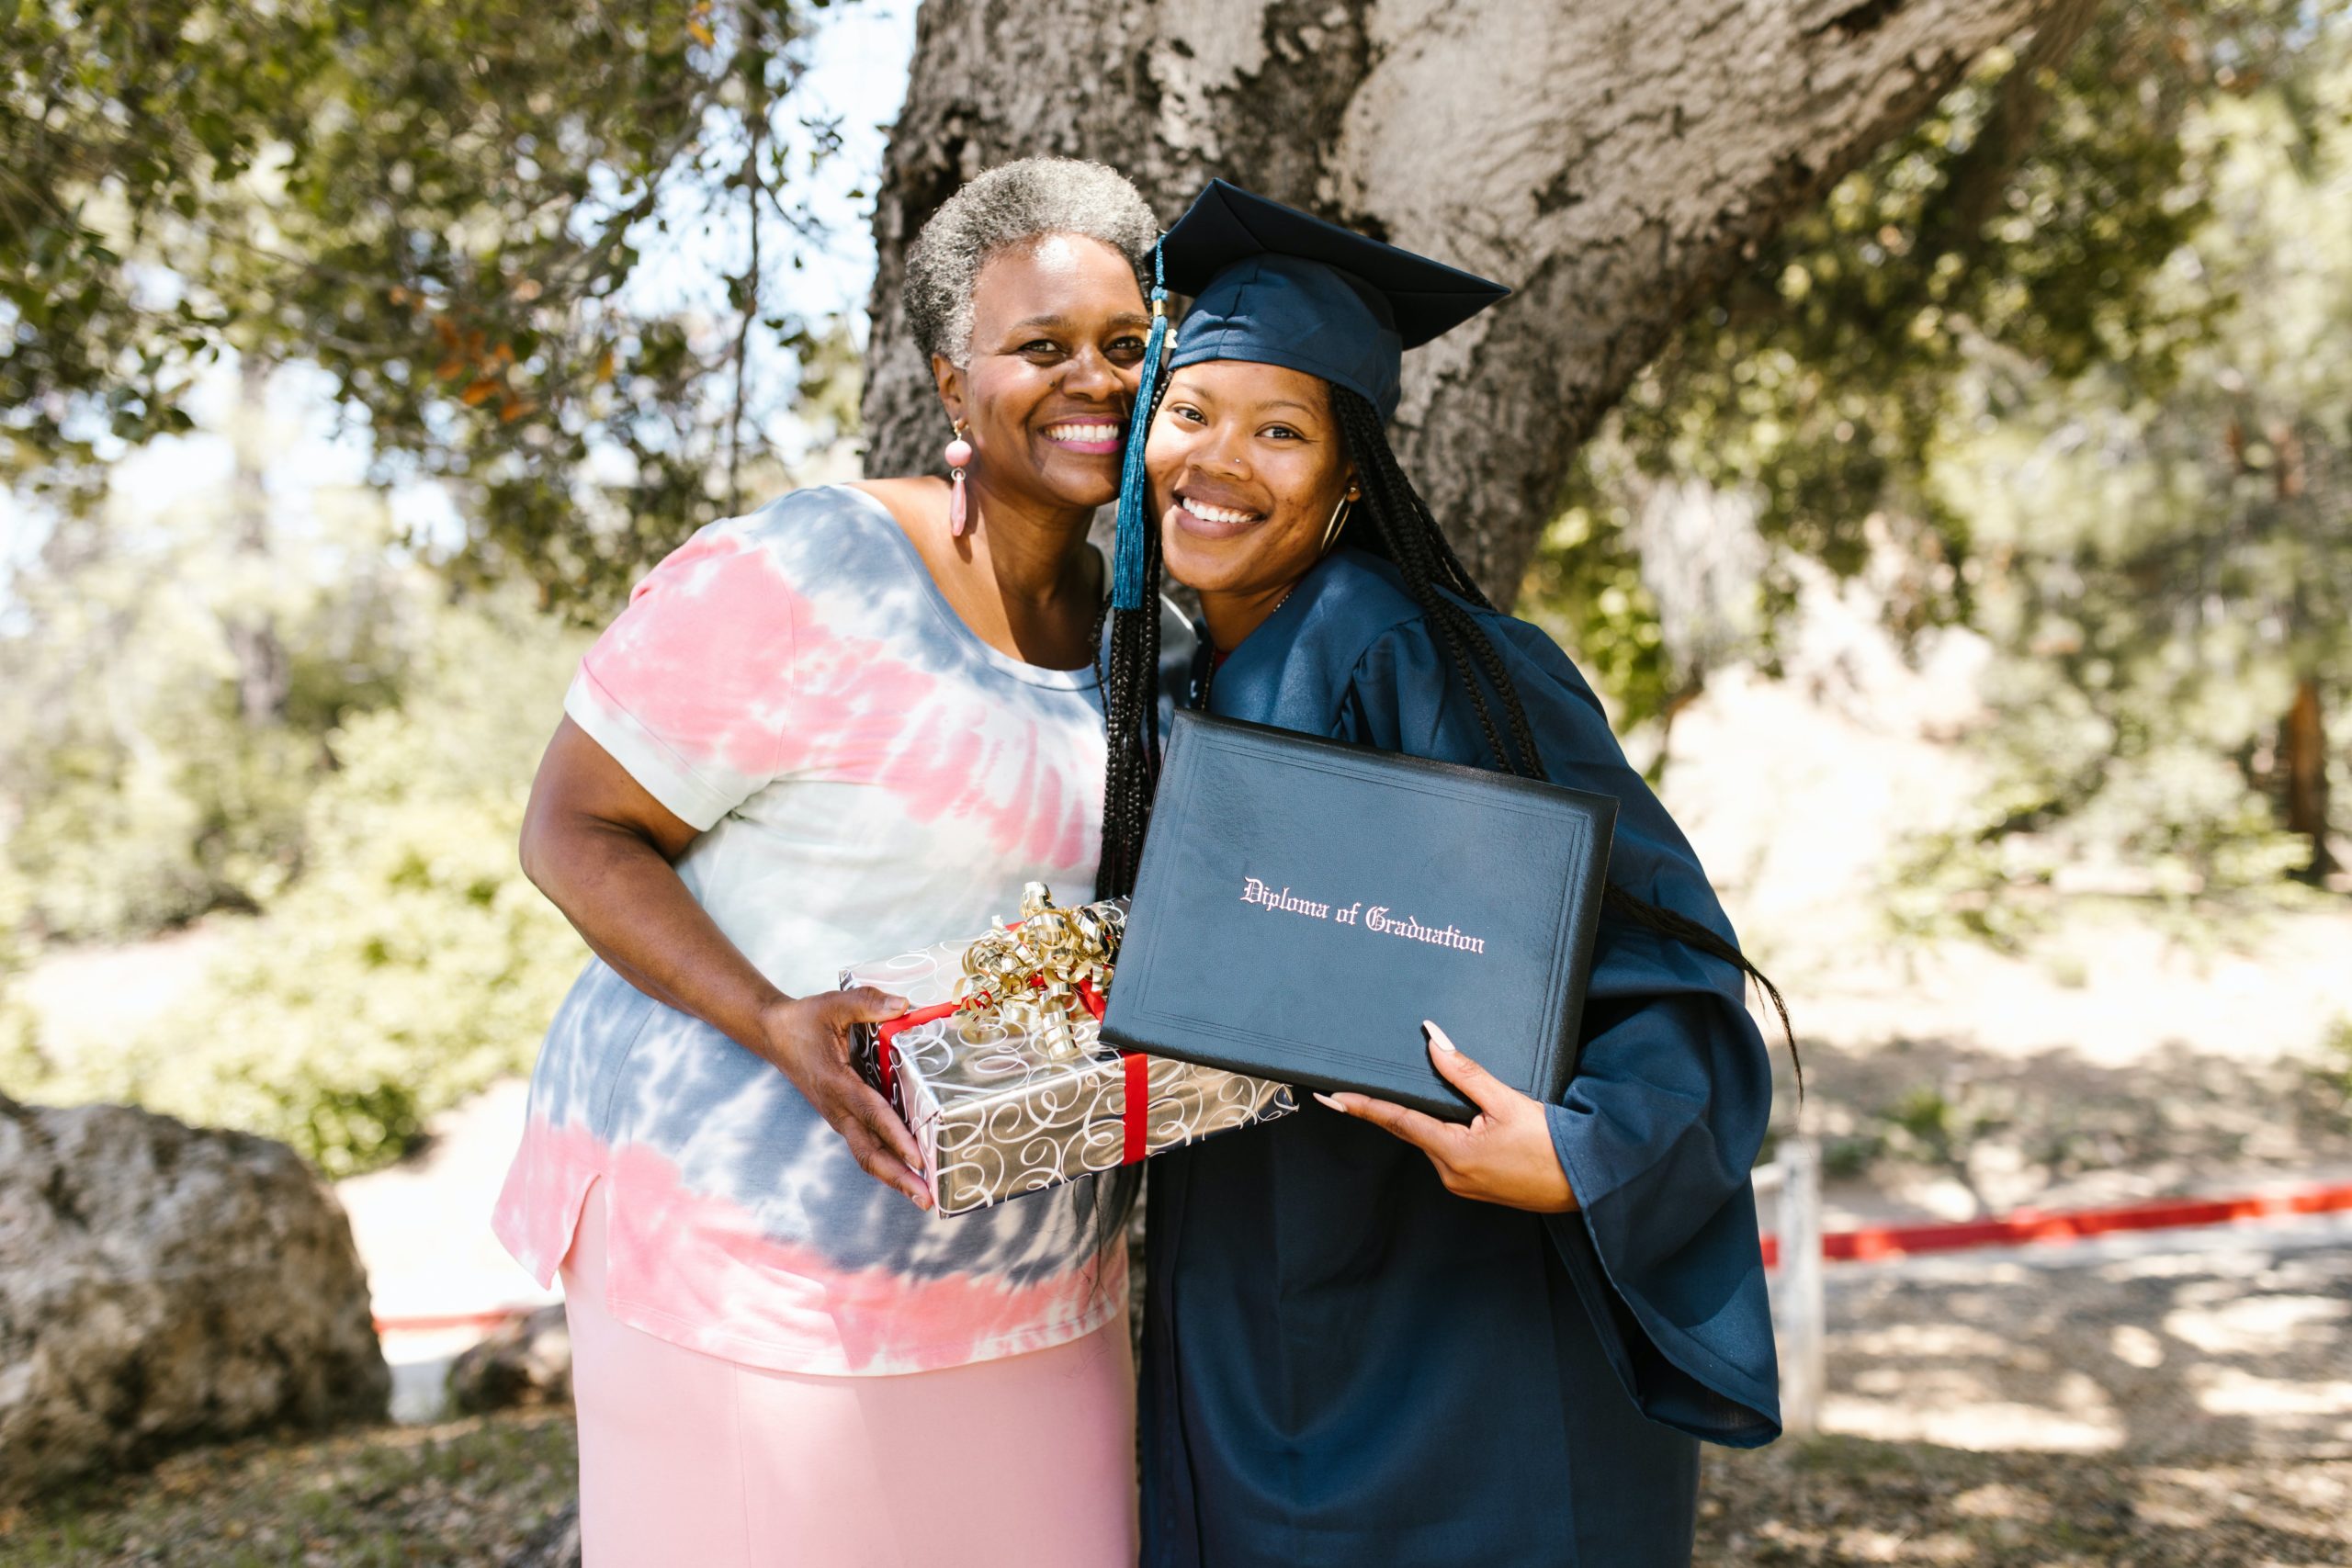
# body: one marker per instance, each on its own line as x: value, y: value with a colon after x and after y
x: 1338, y: 521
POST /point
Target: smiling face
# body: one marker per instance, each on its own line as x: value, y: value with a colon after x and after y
x: 1057, y: 338
x: 1247, y: 467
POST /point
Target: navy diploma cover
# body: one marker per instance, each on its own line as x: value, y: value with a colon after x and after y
x: 1304, y: 904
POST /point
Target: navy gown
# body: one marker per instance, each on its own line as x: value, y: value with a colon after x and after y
x: 1344, y: 1364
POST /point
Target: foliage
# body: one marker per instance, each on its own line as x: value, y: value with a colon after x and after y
x: 2164, y: 568
x: 138, y: 787
x: 449, y: 206
x: 2043, y: 367
x: 2029, y: 217
x: 17, y: 1023
x: 412, y: 964
x: 2337, y: 1055
x: 1585, y: 586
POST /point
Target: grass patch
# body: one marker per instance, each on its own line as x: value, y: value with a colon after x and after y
x: 471, y: 1492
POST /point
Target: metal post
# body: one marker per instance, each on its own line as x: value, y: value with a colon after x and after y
x: 1799, y: 1313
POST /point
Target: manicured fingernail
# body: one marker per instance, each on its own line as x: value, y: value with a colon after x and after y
x: 1334, y: 1104
x: 897, y: 1004
x: 1435, y: 1036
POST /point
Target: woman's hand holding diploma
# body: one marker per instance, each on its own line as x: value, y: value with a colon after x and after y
x: 1504, y: 1157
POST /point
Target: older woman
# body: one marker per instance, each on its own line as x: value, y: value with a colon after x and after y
x: 843, y: 727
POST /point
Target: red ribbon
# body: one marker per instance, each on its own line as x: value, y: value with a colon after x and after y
x: 886, y: 1034
x: 1135, y: 1063
x: 1138, y: 1068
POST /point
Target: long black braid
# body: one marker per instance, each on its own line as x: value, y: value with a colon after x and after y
x: 1128, y: 676
x: 1130, y: 683
x: 1405, y: 533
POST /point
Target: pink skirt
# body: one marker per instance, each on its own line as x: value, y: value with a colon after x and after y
x: 1027, y: 1462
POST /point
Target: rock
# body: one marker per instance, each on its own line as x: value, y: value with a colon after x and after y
x: 555, y: 1545
x: 526, y: 1360
x: 162, y: 1285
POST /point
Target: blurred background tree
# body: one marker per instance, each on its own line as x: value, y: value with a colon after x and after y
x: 532, y: 264
x: 409, y: 963
x: 448, y: 208
x: 2052, y: 367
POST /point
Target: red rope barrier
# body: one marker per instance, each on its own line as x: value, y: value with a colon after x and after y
x: 2031, y: 1227
x: 2019, y: 1228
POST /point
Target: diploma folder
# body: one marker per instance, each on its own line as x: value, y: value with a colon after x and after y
x: 1304, y: 904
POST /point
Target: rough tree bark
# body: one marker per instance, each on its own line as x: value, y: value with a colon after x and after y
x: 1611, y: 159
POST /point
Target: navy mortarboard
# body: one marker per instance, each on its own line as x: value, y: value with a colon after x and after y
x: 1279, y: 287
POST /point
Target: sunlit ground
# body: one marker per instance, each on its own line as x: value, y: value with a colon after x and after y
x: 2175, y: 1398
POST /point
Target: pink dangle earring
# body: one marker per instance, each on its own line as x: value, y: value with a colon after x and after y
x: 959, y: 458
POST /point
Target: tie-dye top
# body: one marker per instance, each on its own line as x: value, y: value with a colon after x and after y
x: 870, y: 777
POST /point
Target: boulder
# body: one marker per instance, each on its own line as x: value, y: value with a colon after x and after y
x: 161, y: 1284
x: 525, y: 1360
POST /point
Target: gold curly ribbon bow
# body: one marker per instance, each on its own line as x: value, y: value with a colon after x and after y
x: 1027, y: 977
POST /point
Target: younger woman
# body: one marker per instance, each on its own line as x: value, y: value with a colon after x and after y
x: 1373, y: 1337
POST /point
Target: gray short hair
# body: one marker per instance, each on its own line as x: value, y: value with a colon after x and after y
x: 1009, y: 206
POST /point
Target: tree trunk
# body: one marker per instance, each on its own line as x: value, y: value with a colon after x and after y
x: 264, y: 677
x: 2303, y: 748
x: 1613, y: 160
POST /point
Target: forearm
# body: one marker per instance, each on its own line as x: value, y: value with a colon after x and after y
x: 630, y: 905
x: 603, y: 851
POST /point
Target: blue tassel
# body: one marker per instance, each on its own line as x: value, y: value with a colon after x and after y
x: 1135, y: 498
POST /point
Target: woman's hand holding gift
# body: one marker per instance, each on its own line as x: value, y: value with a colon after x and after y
x: 1504, y: 1157
x: 605, y: 850
x: 808, y: 1038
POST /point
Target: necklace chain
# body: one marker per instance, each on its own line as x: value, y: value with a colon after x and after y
x: 1208, y: 681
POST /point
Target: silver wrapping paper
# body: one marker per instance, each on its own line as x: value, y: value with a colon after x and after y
x: 997, y: 1115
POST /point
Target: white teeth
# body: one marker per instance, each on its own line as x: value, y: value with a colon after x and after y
x: 1083, y: 432
x: 1208, y: 514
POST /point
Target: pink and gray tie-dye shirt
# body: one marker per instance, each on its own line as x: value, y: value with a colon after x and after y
x: 870, y: 778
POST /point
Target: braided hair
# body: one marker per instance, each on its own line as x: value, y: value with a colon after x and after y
x: 1405, y: 533
x: 1130, y: 684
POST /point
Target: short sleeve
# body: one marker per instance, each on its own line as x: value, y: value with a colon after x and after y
x: 688, y: 688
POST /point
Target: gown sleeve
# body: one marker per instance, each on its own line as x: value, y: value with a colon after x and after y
x: 1659, y: 1127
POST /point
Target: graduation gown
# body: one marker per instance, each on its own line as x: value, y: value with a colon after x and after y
x: 1345, y: 1364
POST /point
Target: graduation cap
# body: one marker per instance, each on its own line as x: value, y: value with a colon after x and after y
x: 1281, y: 287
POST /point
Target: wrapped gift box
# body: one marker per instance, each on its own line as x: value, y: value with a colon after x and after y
x: 1014, y: 1099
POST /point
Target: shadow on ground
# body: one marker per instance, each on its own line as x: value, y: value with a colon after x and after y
x: 2175, y: 1401
x: 475, y: 1493
x: 2223, y: 1345
x: 1837, y: 1501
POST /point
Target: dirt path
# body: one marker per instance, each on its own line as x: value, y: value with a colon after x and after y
x: 2171, y: 1346
x: 2176, y: 1398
